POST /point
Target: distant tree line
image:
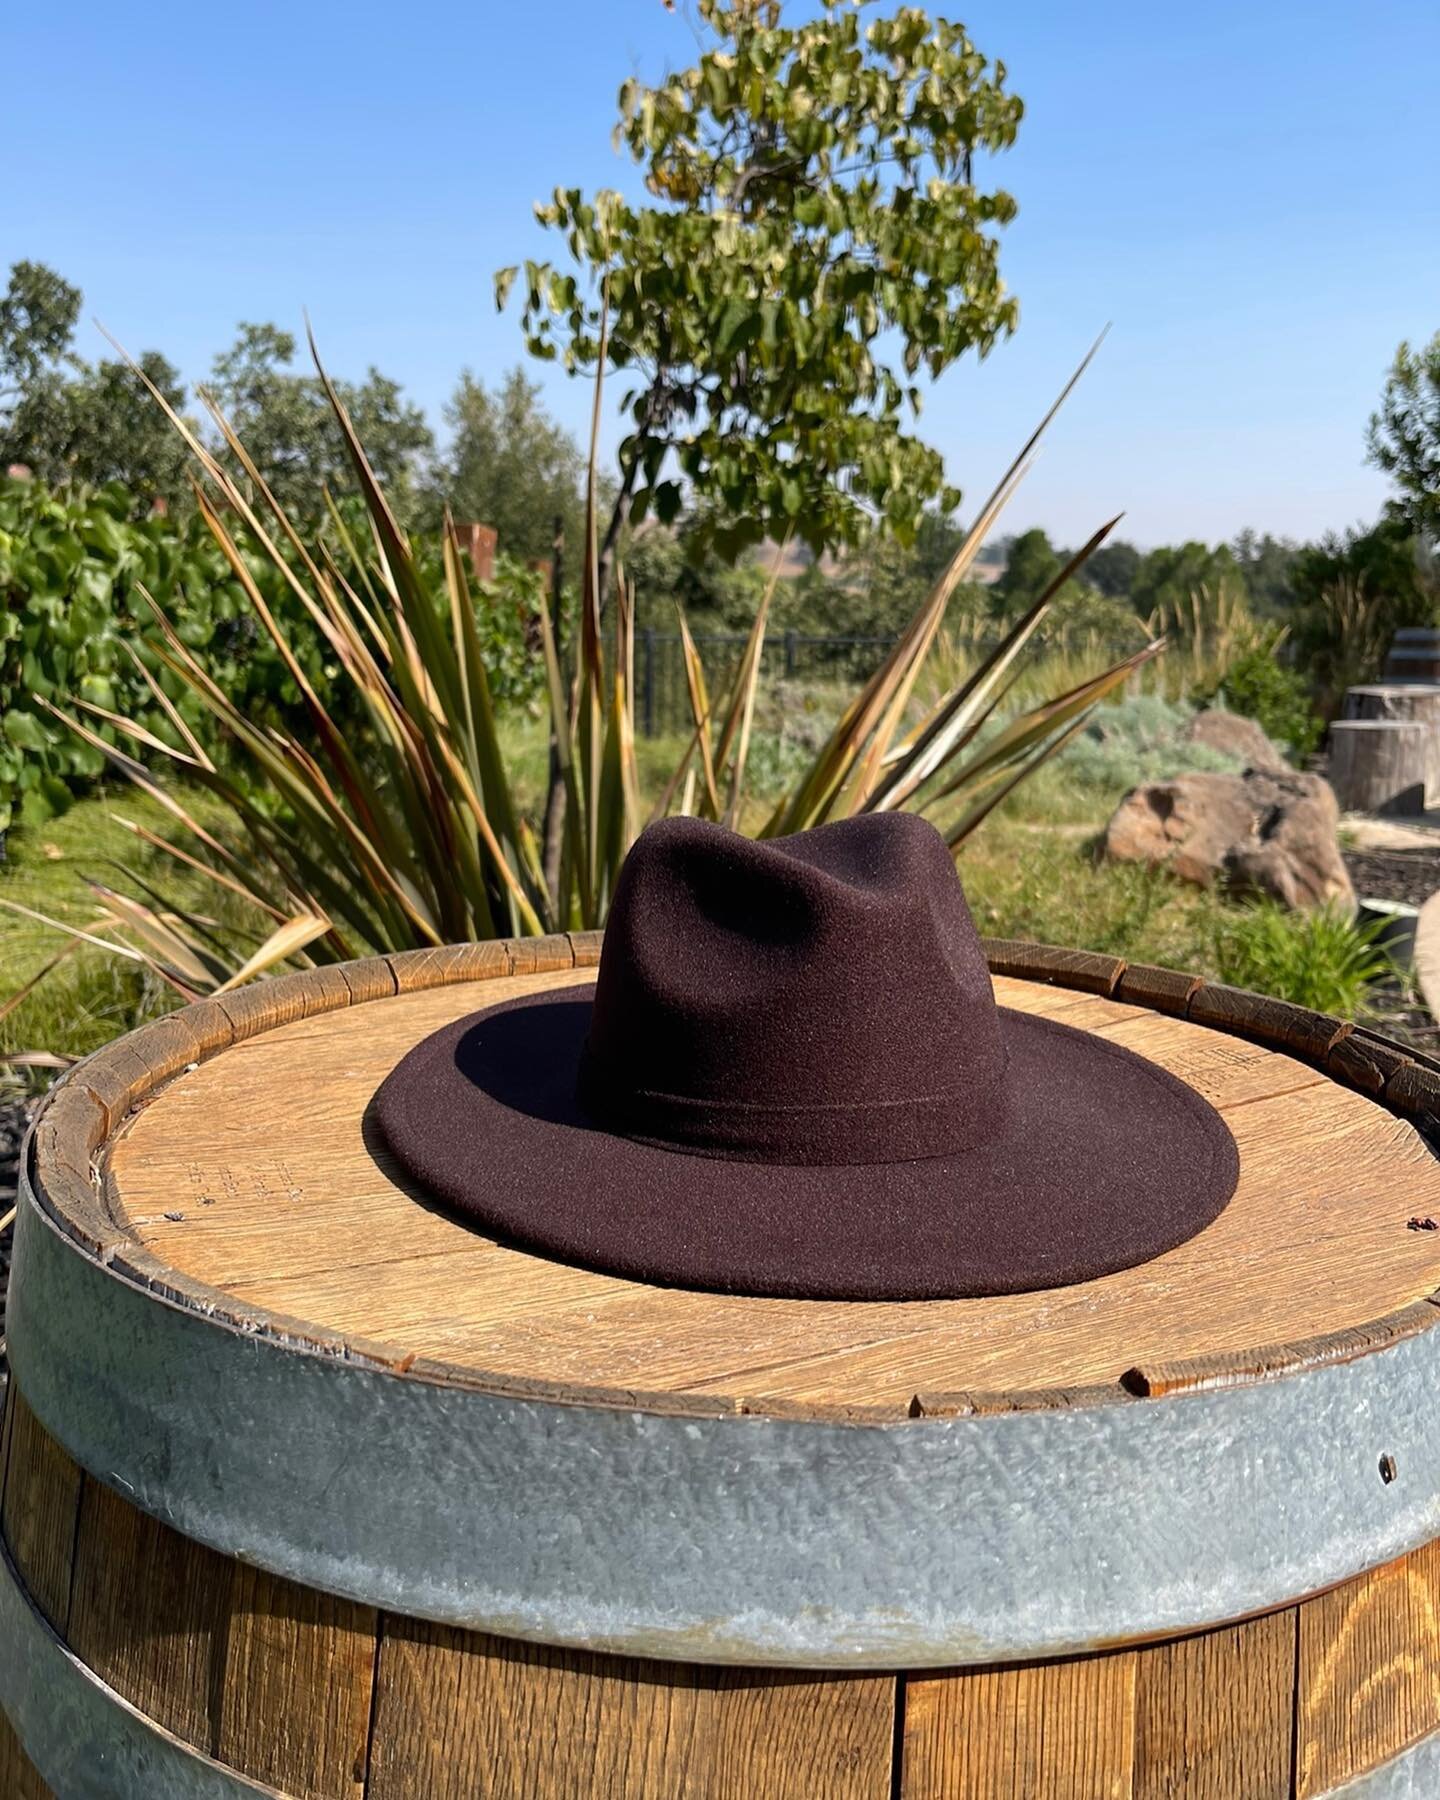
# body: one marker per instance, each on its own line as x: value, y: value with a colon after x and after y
x: 507, y: 463
x: 73, y: 423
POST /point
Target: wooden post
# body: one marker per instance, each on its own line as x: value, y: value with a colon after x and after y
x: 1379, y: 765
x: 479, y: 542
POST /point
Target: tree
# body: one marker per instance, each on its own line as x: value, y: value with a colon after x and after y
x: 1268, y: 566
x: 1171, y: 582
x: 37, y: 323
x: 286, y: 424
x: 1404, y: 435
x: 816, y: 237
x: 1351, y: 594
x: 667, y: 564
x: 511, y: 466
x: 1112, y: 569
x: 104, y: 426
x: 71, y: 423
x: 1032, y: 564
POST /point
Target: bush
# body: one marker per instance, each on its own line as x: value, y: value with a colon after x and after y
x: 74, y: 621
x: 1275, y: 697
x: 1141, y: 739
x: 1320, y: 959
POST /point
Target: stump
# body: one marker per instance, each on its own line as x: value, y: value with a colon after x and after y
x: 1414, y: 655
x: 1380, y: 765
x: 309, y: 1489
x: 1403, y: 700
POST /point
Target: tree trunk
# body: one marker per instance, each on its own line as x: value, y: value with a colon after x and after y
x: 605, y: 560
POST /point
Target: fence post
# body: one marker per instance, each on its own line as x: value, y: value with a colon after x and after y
x: 649, y: 636
x: 790, y: 641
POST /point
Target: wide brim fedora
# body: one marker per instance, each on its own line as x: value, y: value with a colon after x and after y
x: 604, y: 1127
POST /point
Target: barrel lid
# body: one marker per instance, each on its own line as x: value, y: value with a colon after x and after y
x: 247, y: 1180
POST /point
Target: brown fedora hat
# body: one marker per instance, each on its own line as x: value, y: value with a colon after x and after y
x: 791, y: 1078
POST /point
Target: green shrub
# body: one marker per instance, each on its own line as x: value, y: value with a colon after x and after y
x: 1321, y: 959
x: 1277, y: 698
x: 1141, y: 739
x: 72, y: 568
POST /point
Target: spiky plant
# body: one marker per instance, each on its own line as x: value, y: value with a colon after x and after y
x: 410, y: 833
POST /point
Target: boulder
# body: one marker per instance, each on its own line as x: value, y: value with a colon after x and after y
x: 1261, y: 832
x: 1234, y: 735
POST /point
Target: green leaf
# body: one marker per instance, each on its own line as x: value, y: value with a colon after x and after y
x: 25, y: 729
x: 734, y: 320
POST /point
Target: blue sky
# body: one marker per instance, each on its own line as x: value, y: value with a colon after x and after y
x: 1250, y: 192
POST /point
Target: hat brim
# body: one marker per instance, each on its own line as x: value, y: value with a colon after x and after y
x: 1107, y: 1161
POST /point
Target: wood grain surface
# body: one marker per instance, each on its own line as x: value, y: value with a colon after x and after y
x: 1369, y: 1671
x: 458, y: 1713
x: 1042, y: 1728
x: 256, y: 1174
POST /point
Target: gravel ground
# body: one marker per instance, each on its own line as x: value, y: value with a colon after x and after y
x: 1408, y: 875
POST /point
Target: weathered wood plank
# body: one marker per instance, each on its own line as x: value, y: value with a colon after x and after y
x: 252, y: 1172
x: 1214, y: 1714
x: 1084, y: 969
x: 41, y: 1500
x: 299, y: 1671
x: 149, y: 1614
x: 1048, y: 1731
x: 1369, y: 1681
x: 459, y: 1715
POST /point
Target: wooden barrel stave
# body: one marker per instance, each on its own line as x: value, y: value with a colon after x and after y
x: 264, y: 1666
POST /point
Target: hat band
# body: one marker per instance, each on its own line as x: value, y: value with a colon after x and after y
x: 845, y: 1134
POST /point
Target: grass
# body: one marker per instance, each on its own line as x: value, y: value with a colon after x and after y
x: 91, y: 996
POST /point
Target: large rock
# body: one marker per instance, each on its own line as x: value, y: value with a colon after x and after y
x: 1260, y: 832
x: 1234, y: 735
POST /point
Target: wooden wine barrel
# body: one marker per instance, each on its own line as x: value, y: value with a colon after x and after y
x: 310, y: 1490
x: 1414, y: 655
x: 1403, y: 700
x: 1380, y: 765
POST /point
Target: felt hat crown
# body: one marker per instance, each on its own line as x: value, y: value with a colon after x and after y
x: 791, y: 1077
x: 816, y: 999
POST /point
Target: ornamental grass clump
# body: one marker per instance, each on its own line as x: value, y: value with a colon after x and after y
x: 401, y: 829
x: 1324, y: 959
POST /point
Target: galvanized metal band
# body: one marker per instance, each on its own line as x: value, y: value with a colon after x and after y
x: 735, y: 1539
x: 1411, y: 1774
x: 83, y: 1739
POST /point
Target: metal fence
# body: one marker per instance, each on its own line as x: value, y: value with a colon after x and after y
x: 662, y: 699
